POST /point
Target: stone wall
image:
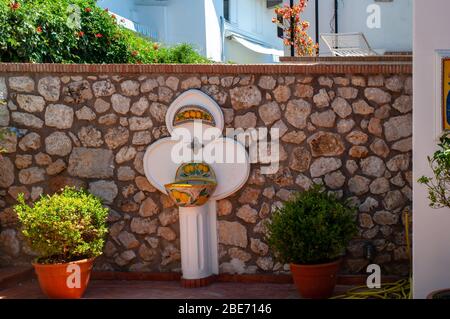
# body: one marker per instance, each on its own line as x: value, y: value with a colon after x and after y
x: 349, y: 130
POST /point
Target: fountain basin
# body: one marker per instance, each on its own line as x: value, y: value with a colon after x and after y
x: 190, y: 194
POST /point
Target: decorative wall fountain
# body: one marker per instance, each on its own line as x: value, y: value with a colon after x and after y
x: 196, y: 167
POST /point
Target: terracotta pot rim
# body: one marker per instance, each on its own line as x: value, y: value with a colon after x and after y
x: 63, y: 264
x: 337, y: 261
x: 436, y: 292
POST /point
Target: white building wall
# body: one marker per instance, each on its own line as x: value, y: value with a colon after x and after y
x: 394, y: 34
x: 121, y: 7
x: 255, y: 20
x: 154, y: 17
x: 213, y: 28
x: 186, y: 23
x: 431, y: 234
x: 198, y: 22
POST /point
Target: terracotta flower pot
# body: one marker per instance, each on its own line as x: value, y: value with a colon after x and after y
x: 64, y: 281
x: 439, y: 294
x: 316, y: 281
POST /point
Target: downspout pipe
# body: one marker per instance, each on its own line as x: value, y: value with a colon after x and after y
x: 336, y: 16
x: 292, y: 30
x: 316, y: 7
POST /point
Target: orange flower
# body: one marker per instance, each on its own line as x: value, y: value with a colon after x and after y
x: 14, y: 5
x: 39, y: 29
x: 134, y: 53
x: 155, y: 46
x: 88, y: 9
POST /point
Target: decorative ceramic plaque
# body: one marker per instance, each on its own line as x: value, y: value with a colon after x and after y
x: 191, y: 113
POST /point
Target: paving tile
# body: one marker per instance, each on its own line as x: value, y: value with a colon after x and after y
x: 115, y: 289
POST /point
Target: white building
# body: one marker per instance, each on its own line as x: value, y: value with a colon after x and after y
x: 387, y: 24
x: 239, y: 31
x: 242, y: 31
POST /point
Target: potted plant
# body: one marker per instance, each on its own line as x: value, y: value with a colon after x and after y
x: 439, y: 188
x: 67, y: 231
x: 311, y: 232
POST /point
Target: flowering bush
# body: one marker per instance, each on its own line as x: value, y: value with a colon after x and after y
x: 77, y: 31
x: 295, y: 29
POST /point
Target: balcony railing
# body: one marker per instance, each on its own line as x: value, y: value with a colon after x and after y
x: 145, y: 30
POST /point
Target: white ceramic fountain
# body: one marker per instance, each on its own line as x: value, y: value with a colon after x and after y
x: 196, y: 167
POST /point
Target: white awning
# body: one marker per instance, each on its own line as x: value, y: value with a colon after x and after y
x: 256, y: 47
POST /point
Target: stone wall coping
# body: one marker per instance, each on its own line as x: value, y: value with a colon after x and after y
x: 392, y: 67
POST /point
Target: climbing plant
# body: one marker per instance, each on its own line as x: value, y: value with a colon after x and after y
x: 295, y: 29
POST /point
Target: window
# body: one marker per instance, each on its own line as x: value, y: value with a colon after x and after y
x: 226, y: 9
x: 280, y: 31
x: 273, y: 3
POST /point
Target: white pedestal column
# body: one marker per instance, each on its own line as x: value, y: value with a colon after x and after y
x: 198, y: 237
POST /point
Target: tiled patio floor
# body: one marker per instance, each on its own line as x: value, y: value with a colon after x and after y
x: 114, y: 289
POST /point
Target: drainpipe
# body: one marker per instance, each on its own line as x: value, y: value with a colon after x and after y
x: 292, y: 30
x: 222, y: 33
x: 316, y: 7
x: 336, y: 21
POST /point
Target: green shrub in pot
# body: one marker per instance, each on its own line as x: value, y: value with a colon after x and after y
x: 314, y: 228
x: 64, y: 229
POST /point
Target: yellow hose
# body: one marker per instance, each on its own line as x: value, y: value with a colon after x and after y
x: 397, y: 290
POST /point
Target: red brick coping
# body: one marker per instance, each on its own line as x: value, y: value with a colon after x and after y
x: 404, y: 58
x: 397, y: 66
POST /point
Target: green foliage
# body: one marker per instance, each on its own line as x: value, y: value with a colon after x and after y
x: 439, y: 185
x: 64, y: 227
x: 77, y: 31
x: 315, y: 227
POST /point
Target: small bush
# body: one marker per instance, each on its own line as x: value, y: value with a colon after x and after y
x: 64, y: 227
x: 77, y: 31
x: 315, y: 227
x: 438, y: 185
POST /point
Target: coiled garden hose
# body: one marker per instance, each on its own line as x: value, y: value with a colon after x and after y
x: 397, y: 290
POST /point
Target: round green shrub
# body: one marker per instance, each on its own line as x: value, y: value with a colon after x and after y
x: 77, y: 31
x: 64, y: 227
x: 313, y: 228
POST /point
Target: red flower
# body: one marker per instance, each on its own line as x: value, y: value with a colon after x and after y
x: 80, y: 34
x: 14, y: 5
x: 39, y: 29
x: 88, y: 9
x: 99, y: 35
